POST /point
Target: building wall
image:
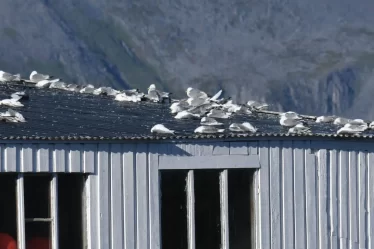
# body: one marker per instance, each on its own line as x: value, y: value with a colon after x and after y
x: 310, y: 194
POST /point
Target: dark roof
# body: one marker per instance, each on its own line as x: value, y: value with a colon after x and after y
x: 53, y: 114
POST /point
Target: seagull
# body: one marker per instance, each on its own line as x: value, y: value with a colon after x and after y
x: 324, y: 119
x: 20, y: 95
x: 45, y: 83
x: 371, y: 125
x: 6, y: 77
x: 195, y: 93
x: 11, y: 102
x: 358, y: 127
x: 186, y: 115
x: 58, y: 85
x: 208, y: 129
x: 289, y: 122
x: 105, y: 91
x: 210, y: 122
x: 244, y: 127
x: 256, y: 105
x: 357, y: 122
x: 348, y: 130
x: 341, y: 121
x: 299, y: 129
x: 132, y: 98
x: 87, y: 89
x: 178, y: 106
x: 13, y: 116
x: 153, y: 95
x: 216, y: 113
x: 157, y: 96
x: 36, y: 77
x: 290, y: 115
x: 161, y: 129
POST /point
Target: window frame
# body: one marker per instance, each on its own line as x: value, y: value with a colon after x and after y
x: 52, y: 220
x: 223, y: 163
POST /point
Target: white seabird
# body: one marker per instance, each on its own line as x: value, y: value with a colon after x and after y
x: 324, y: 119
x: 19, y: 95
x: 11, y: 102
x: 210, y: 122
x: 186, y: 115
x: 341, y: 121
x: 58, y: 85
x: 244, y: 127
x: 131, y: 98
x: 36, y: 77
x: 256, y: 105
x: 13, y: 116
x: 371, y: 125
x: 289, y: 122
x: 290, y: 115
x: 161, y: 129
x: 45, y: 83
x: 155, y: 95
x: 196, y: 93
x: 87, y: 89
x: 216, y: 113
x: 299, y: 129
x: 105, y: 91
x: 208, y: 129
x: 5, y: 77
x: 348, y: 130
x: 178, y: 106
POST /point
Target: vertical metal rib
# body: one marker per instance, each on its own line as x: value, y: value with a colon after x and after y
x: 20, y: 212
x: 224, y: 209
x: 54, y: 211
x: 191, y: 209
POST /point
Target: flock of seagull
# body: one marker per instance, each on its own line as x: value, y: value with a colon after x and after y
x: 198, y: 105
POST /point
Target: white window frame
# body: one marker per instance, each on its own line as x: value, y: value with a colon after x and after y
x: 224, y: 206
x: 53, y: 219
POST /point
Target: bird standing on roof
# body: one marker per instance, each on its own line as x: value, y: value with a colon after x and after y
x: 289, y: 119
x: 6, y: 77
x: 36, y: 77
x: 210, y: 122
x: 157, y: 96
x: 299, y: 129
x: 208, y: 130
x: 324, y: 119
x: 244, y: 127
x: 46, y: 83
x: 161, y: 129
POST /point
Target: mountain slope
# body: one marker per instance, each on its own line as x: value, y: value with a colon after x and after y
x: 314, y: 57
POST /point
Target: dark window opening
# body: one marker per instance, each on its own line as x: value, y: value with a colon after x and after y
x: 70, y: 208
x: 207, y: 209
x: 240, y: 206
x: 37, y: 196
x: 37, y: 209
x: 8, y: 205
x: 173, y: 209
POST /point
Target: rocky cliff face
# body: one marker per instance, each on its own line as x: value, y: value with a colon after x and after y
x: 312, y: 57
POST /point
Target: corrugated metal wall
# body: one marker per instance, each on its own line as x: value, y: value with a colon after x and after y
x: 309, y: 194
x: 315, y: 195
x: 47, y: 157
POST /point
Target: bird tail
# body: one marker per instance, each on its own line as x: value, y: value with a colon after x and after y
x: 221, y: 130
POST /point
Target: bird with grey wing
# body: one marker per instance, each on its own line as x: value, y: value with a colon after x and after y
x: 156, y: 95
